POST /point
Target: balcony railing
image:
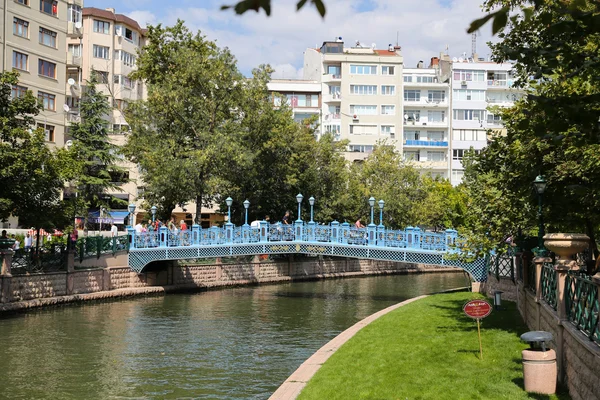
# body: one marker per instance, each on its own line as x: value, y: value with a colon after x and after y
x: 331, y: 117
x: 438, y: 143
x: 73, y: 31
x: 334, y: 97
x: 73, y: 60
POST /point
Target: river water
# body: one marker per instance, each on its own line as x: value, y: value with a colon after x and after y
x: 237, y: 343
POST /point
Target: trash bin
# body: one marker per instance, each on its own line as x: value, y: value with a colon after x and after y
x: 539, y: 363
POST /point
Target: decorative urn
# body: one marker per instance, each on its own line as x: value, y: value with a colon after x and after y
x: 565, y: 245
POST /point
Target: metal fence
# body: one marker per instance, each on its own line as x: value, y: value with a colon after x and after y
x: 549, y: 284
x: 95, y: 246
x: 582, y: 304
x: 501, y: 265
x: 47, y: 259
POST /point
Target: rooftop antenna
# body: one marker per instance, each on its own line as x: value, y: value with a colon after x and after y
x: 397, y: 38
x: 447, y: 47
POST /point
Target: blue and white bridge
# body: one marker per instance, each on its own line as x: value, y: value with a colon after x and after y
x: 374, y: 242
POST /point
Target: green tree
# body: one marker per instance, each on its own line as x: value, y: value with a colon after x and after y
x: 256, y: 5
x: 444, y: 206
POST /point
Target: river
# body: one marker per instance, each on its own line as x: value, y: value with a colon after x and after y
x: 235, y: 343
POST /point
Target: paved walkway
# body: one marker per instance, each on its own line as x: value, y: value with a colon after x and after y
x: 291, y: 388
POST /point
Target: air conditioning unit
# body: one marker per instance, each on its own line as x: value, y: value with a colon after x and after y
x: 424, y: 123
x: 463, y: 83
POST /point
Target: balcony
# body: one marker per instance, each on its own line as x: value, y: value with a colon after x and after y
x: 73, y: 61
x: 332, y: 78
x: 499, y: 83
x: 426, y: 103
x: 332, y: 117
x: 332, y: 98
x: 73, y: 116
x: 426, y: 143
x: 424, y: 122
x: 73, y: 31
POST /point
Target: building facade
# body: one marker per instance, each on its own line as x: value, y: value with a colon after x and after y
x: 304, y: 97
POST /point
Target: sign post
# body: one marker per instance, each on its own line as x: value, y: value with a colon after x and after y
x: 478, y: 309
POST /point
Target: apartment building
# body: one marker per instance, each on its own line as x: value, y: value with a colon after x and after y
x: 304, y: 97
x: 476, y: 86
x: 426, y: 119
x: 360, y: 89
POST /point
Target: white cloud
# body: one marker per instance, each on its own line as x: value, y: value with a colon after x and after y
x: 143, y: 17
x: 287, y: 71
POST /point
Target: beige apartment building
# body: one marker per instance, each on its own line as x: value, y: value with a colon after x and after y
x: 360, y: 88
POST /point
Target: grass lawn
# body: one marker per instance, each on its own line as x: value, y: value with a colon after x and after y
x: 429, y: 350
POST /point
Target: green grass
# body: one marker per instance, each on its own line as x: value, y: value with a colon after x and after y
x: 429, y: 350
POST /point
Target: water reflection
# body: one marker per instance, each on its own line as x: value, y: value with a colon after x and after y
x: 224, y: 344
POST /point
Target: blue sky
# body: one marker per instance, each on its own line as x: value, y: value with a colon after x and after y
x: 423, y: 28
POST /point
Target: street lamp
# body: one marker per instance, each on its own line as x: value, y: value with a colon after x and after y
x: 131, y: 208
x: 311, y: 201
x: 540, y: 186
x: 381, y: 204
x: 246, y: 206
x: 299, y: 198
x: 153, y: 211
x: 102, y: 209
x: 229, y: 202
x: 372, y: 204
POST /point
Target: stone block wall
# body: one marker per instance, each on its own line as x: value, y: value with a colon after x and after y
x: 28, y: 287
x: 88, y: 281
x: 124, y: 277
x: 506, y: 285
x: 582, y: 363
x: 195, y: 275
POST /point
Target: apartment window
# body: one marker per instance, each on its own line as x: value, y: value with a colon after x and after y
x: 334, y: 70
x: 425, y: 79
x: 47, y: 69
x: 24, y: 2
x: 436, y: 116
x: 20, y: 27
x: 73, y: 13
x: 363, y: 110
x: 469, y: 135
x: 124, y: 81
x: 101, y: 76
x: 18, y: 91
x: 388, y: 90
x: 457, y: 174
x: 302, y: 100
x: 363, y: 89
x: 412, y: 95
x: 436, y: 96
x: 469, y: 95
x: 101, y: 27
x: 120, y: 129
x: 101, y: 52
x: 333, y: 129
x: 408, y: 78
x: 411, y: 156
x: 48, y: 132
x: 47, y: 37
x: 363, y: 130
x: 436, y: 156
x: 494, y: 119
x: 469, y: 115
x: 412, y: 115
x: 363, y: 69
x: 435, y: 136
x: 72, y: 102
x: 360, y: 148
x: 388, y: 110
x: 127, y: 58
x: 469, y: 76
x: 334, y: 90
x: 121, y: 104
x: 48, y: 100
x: 20, y: 60
x: 49, y: 7
x: 388, y: 130
x: 412, y: 135
x: 130, y: 35
x: 75, y: 49
x: 387, y: 70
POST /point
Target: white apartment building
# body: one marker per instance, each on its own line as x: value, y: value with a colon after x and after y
x: 476, y: 85
x: 361, y: 93
x: 426, y: 119
x: 303, y: 96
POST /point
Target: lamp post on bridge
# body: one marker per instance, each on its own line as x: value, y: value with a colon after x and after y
x: 131, y: 208
x: 246, y: 206
x: 381, y: 204
x: 311, y: 201
x: 153, y: 211
x: 299, y: 198
x: 372, y: 204
x: 229, y: 202
x: 540, y: 187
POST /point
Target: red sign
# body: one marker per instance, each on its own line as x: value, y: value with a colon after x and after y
x: 477, y: 309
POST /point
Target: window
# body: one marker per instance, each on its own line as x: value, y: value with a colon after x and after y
x: 457, y: 174
x: 72, y: 102
x: 494, y: 119
x: 363, y: 110
x: 411, y: 156
x: 18, y: 91
x: 387, y: 70
x: 333, y: 129
x: 130, y: 35
x: 118, y: 129
x: 121, y: 104
x: 101, y: 76
x: 363, y: 89
x: 48, y: 132
x: 47, y: 69
x: 48, y: 100
x: 469, y: 95
x: 459, y: 154
x: 412, y: 95
x: 435, y: 136
x: 302, y: 100
x: 334, y: 90
x: 436, y: 116
x: 101, y: 26
x: 101, y: 52
x: 469, y: 76
x: 412, y: 135
x: 20, y: 60
x: 469, y: 135
x: 436, y: 156
x: 436, y: 96
x: 73, y: 13
x: 124, y: 81
x: 425, y: 79
x: 334, y: 70
x: 20, y: 27
x: 388, y: 130
x: 469, y: 115
x: 360, y: 148
x: 388, y: 110
x: 363, y: 69
x: 75, y: 49
x: 363, y: 129
x: 24, y: 2
x: 47, y: 37
x: 412, y: 115
x: 49, y: 7
x: 388, y: 90
x: 408, y: 78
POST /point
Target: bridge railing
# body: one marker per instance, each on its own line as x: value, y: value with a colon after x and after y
x: 411, y: 237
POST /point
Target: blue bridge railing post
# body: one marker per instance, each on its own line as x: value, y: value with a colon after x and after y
x: 131, y: 237
x: 310, y: 231
x: 196, y: 234
x: 381, y: 235
x: 163, y: 234
x: 344, y: 233
x: 264, y: 231
x: 335, y: 228
x: 372, y: 235
x: 229, y: 232
x: 451, y: 236
x: 298, y: 230
x: 245, y: 233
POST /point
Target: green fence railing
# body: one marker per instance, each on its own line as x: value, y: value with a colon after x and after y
x: 95, y: 246
x: 48, y: 259
x: 531, y: 277
x: 549, y: 284
x: 582, y: 304
x: 501, y: 265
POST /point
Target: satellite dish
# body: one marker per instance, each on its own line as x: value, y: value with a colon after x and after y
x: 66, y: 108
x: 78, y: 24
x: 460, y: 59
x: 71, y: 81
x: 454, y: 59
x: 406, y: 117
x: 373, y: 46
x: 68, y: 143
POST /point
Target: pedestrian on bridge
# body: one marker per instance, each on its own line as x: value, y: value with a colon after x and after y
x: 358, y: 224
x: 286, y: 218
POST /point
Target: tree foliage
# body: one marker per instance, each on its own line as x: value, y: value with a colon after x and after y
x: 256, y: 5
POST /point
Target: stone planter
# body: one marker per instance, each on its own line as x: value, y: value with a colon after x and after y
x: 565, y: 245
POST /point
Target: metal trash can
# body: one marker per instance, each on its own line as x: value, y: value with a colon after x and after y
x: 539, y: 363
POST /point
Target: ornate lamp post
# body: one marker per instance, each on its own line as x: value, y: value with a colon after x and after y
x: 229, y: 202
x: 539, y: 185
x: 381, y: 204
x: 299, y: 198
x: 372, y: 204
x: 153, y: 211
x: 311, y: 201
x: 131, y: 208
x: 246, y: 206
